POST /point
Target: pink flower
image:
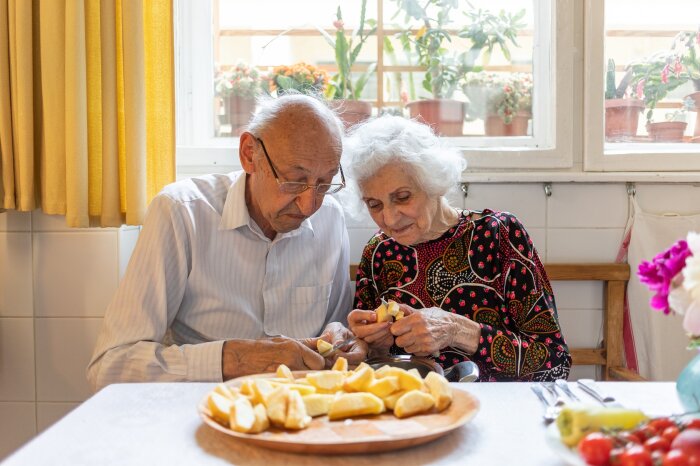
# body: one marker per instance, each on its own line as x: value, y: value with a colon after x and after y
x: 404, y: 97
x: 338, y: 24
x: 664, y: 74
x: 677, y: 67
x: 659, y: 273
x: 640, y: 89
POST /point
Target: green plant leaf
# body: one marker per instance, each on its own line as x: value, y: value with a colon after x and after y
x: 362, y: 80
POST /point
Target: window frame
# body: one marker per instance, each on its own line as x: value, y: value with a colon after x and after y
x: 651, y: 156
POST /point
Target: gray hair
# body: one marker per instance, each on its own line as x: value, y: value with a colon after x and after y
x: 434, y: 164
x: 270, y: 108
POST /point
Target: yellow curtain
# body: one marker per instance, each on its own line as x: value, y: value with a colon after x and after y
x: 87, y: 125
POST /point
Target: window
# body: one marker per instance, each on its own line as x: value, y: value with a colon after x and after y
x: 641, y: 78
x: 222, y: 41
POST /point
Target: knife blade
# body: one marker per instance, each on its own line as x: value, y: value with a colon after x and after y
x: 339, y: 345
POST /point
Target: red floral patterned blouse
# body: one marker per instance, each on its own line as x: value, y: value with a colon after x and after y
x: 488, y: 270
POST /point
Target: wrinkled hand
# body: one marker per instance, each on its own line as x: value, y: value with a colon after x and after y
x: 377, y: 335
x: 244, y: 357
x: 335, y: 332
x: 424, y: 331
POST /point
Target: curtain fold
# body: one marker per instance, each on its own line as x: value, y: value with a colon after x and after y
x: 86, y: 107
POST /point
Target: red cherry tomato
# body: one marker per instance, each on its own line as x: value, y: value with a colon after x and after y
x: 688, y: 442
x: 661, y: 423
x: 636, y: 455
x: 675, y: 458
x: 626, y: 437
x: 595, y: 448
x: 692, y: 424
x: 645, y: 432
x: 670, y: 433
x: 657, y: 443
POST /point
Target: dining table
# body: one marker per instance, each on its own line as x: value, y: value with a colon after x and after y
x: 159, y: 423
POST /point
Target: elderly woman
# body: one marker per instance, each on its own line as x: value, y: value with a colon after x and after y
x: 470, y: 283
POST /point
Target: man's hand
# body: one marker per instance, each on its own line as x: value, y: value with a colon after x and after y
x: 425, y: 331
x: 376, y: 335
x: 245, y: 357
x: 335, y: 332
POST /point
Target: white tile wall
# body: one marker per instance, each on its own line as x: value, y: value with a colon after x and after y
x: 17, y: 359
x: 587, y: 206
x: 583, y: 244
x: 15, y: 274
x: 63, y: 350
x: 48, y: 413
x: 15, y: 221
x: 62, y: 292
x: 78, y: 272
x: 17, y: 426
x: 525, y: 201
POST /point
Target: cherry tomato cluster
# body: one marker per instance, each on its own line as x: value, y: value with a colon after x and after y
x: 659, y: 442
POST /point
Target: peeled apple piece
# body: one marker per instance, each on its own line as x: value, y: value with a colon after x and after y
x: 355, y: 404
x: 575, y: 421
x: 413, y: 402
x: 440, y: 390
x: 323, y: 346
x: 383, y: 314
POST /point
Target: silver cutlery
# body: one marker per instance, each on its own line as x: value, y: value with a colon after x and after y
x: 338, y: 346
x: 558, y: 399
x: 551, y: 412
x: 589, y: 386
x: 564, y: 387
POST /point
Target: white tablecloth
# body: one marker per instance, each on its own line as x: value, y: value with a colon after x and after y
x: 154, y: 424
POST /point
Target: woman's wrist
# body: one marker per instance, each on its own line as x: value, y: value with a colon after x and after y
x: 465, y: 334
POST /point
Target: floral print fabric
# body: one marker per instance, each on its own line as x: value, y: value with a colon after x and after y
x: 488, y: 270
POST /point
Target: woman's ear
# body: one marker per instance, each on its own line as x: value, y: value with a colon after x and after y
x: 246, y: 151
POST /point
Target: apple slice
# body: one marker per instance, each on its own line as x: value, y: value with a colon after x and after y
x: 440, y: 390
x: 317, y: 404
x: 413, y: 402
x: 296, y: 412
x: 323, y: 347
x: 355, y: 404
x: 242, y: 416
x: 220, y: 407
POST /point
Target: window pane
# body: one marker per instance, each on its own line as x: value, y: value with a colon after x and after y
x: 653, y: 69
x: 477, y: 54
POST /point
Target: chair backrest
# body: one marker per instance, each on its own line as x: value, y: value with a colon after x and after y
x: 615, y: 276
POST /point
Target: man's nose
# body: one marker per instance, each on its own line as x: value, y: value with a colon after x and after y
x: 307, y: 202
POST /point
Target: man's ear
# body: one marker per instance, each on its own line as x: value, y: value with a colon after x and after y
x: 246, y: 151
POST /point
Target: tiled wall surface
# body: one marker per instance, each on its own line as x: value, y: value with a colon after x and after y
x: 56, y: 282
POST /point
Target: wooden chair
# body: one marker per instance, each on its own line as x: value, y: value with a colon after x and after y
x: 615, y: 276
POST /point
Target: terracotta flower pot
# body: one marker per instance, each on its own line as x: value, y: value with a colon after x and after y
x: 351, y: 112
x: 622, y: 119
x: 495, y: 126
x: 666, y: 131
x: 240, y: 109
x: 445, y: 116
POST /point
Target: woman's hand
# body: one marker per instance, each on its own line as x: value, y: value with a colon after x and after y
x: 426, y: 331
x: 334, y: 333
x: 377, y: 335
x: 423, y: 331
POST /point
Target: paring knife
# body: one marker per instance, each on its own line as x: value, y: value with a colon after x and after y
x: 338, y: 346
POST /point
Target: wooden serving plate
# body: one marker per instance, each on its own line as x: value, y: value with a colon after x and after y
x: 367, y: 434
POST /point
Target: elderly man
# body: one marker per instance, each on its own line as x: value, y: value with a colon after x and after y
x: 235, y: 274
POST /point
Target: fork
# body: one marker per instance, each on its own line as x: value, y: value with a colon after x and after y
x: 558, y: 399
x: 564, y: 387
x: 551, y: 411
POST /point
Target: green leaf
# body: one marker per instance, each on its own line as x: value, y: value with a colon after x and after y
x: 362, y: 80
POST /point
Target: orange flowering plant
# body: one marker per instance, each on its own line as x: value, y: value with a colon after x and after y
x: 302, y: 77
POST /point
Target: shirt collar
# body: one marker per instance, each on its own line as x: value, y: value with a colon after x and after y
x: 236, y: 215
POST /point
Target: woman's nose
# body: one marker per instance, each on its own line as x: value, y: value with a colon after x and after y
x: 391, y: 216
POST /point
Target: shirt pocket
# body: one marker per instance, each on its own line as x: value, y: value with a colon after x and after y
x: 304, y: 314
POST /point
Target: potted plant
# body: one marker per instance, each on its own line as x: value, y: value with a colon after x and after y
x: 238, y: 87
x: 503, y: 101
x: 621, y: 109
x: 342, y: 90
x: 687, y: 45
x: 301, y: 77
x: 444, y: 67
x: 653, y: 79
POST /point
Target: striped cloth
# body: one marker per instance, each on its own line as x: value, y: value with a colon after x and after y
x: 203, y: 272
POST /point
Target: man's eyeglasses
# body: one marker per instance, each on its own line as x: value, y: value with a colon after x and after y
x: 297, y: 187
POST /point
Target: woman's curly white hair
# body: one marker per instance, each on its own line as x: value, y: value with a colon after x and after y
x: 434, y: 164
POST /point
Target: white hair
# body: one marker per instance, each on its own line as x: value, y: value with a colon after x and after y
x: 270, y: 108
x: 435, y: 165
